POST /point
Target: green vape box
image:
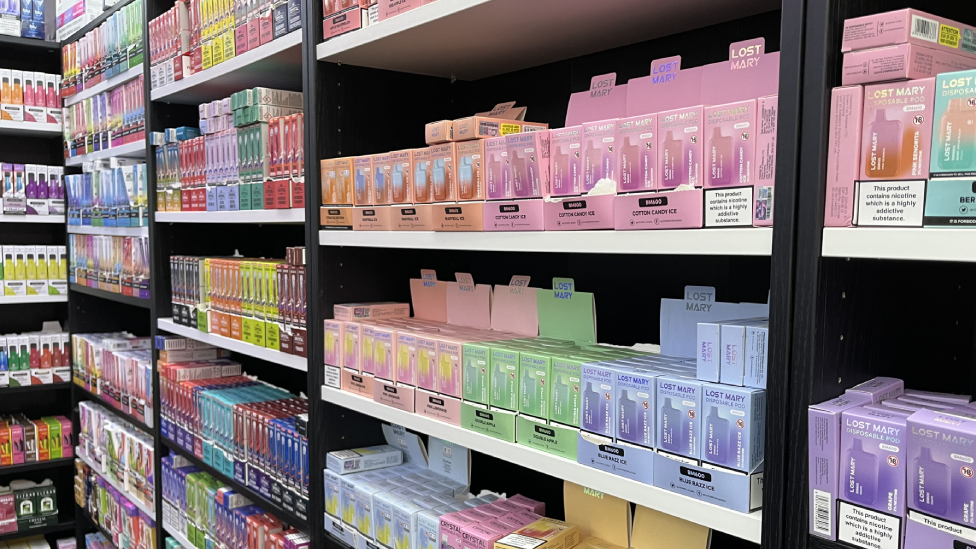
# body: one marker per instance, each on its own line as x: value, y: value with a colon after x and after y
x: 474, y: 372
x: 534, y: 369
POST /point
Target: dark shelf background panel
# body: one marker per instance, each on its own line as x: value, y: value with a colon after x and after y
x: 8, y: 470
x: 111, y: 296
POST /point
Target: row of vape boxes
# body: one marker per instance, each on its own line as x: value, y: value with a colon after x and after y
x: 117, y: 264
x: 108, y: 50
x: 260, y: 302
x: 897, y: 458
x: 38, y: 358
x: 258, y: 166
x: 250, y: 423
x: 111, y: 510
x: 32, y: 189
x: 108, y: 197
x: 107, y: 120
x: 34, y: 270
x: 22, y: 18
x: 124, y: 381
x: 218, y: 514
x: 25, y: 440
x: 194, y: 36
x: 27, y: 96
x: 127, y: 451
x: 91, y: 351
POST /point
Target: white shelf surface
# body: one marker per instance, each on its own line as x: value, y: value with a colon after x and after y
x: 111, y: 231
x: 292, y: 215
x: 14, y: 299
x: 447, y: 38
x: 129, y: 150
x: 41, y: 129
x: 104, y: 85
x: 32, y: 219
x: 747, y: 527
x: 753, y: 241
x: 291, y: 361
x: 149, y: 510
x: 277, y: 64
x: 947, y: 244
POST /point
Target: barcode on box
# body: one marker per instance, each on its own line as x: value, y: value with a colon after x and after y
x: 821, y: 512
x: 925, y: 29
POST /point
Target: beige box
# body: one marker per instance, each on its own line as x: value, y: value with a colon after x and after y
x: 545, y: 533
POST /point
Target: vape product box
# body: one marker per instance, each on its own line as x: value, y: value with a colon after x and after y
x: 372, y: 311
x: 757, y: 355
x: 680, y: 134
x: 363, y: 459
x: 709, y: 355
x: 438, y: 132
x: 824, y: 428
x: 483, y: 127
x: 767, y: 112
x: 528, y: 154
x: 423, y: 176
x: 598, y: 407
x: 498, y: 169
x: 958, y: 400
x: 636, y: 402
x: 733, y: 352
x: 908, y: 26
x: 843, y: 154
x: 601, y: 155
x: 443, y: 172
x: 470, y: 170
x: 954, y: 125
x: 638, y: 155
x: 730, y: 152
x: 672, y: 209
x: 679, y: 416
x: 734, y: 427
x: 545, y: 533
x: 900, y: 62
x: 896, y: 133
x: 401, y: 181
x: 880, y: 388
x: 566, y: 160
x: 873, y: 474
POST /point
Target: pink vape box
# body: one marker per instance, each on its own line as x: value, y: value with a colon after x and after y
x: 333, y: 343
x: 451, y: 526
x: 680, y: 147
x: 767, y: 112
x: 567, y: 174
x: 904, y: 61
x: 896, y: 132
x: 730, y: 151
x: 601, y: 157
x: 514, y: 215
x: 907, y: 26
x: 537, y: 507
x: 375, y: 310
x: 635, y: 142
x: 843, y: 154
x: 350, y: 345
x: 528, y: 155
x: 426, y: 361
x: 384, y: 365
x: 580, y: 213
x: 660, y: 210
x: 498, y: 170
x: 341, y: 23
x: 480, y: 536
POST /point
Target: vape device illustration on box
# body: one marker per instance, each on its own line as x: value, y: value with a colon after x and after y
x: 441, y: 180
x: 421, y: 185
x: 670, y: 438
x: 466, y: 178
x: 931, y: 484
x: 629, y: 164
x: 717, y: 435
x: 671, y: 168
x: 883, y: 156
x: 862, y: 474
x: 957, y: 136
x: 720, y: 151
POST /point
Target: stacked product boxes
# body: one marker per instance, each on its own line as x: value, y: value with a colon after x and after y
x: 112, y: 193
x: 126, y: 453
x: 121, y: 522
x: 25, y: 505
x: 251, y: 156
x: 32, y: 189
x: 118, y: 368
x: 20, y: 18
x: 34, y: 270
x: 105, y: 121
x: 117, y: 264
x: 106, y: 51
x: 27, y: 96
x: 34, y: 359
x: 256, y: 301
x: 28, y: 441
x: 902, y: 149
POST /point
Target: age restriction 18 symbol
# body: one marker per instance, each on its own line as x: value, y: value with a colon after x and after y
x: 893, y: 461
x: 967, y: 471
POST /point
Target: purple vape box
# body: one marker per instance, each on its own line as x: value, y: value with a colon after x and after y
x: 679, y: 408
x: 956, y: 400
x: 942, y: 469
x: 872, y: 476
x: 824, y: 428
x: 888, y: 409
x: 734, y: 427
x: 880, y: 388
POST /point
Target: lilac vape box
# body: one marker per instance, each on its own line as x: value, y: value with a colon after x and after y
x: 872, y: 475
x: 679, y: 138
x: 567, y: 161
x: 734, y: 427
x: 888, y: 409
x: 597, y: 408
x: 880, y: 388
x: 679, y: 415
x: 635, y: 142
x: 731, y: 149
x: 635, y: 392
x: 958, y: 400
x: 601, y: 158
x: 824, y: 428
x: 941, y: 476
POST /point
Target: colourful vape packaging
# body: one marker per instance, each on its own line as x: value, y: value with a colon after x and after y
x: 601, y: 156
x: 734, y: 427
x: 679, y: 411
x: 954, y: 128
x: 880, y: 388
x: 730, y: 151
x: 636, y: 141
x: 566, y: 160
x: 900, y: 62
x: 443, y: 172
x: 897, y: 131
x: 907, y: 26
x: 471, y: 170
x: 680, y: 134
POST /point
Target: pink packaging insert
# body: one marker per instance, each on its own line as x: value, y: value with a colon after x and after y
x: 638, y: 153
x: 566, y: 159
x: 579, y: 213
x: 661, y: 210
x: 730, y: 151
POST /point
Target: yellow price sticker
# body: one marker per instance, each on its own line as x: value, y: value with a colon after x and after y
x: 949, y: 36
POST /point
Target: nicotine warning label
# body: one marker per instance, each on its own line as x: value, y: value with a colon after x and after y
x: 728, y: 207
x: 890, y: 203
x: 867, y: 528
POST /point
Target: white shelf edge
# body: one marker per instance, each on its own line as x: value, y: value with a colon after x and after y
x: 290, y: 40
x: 173, y: 529
x: 747, y: 241
x: 115, y: 484
x: 918, y: 244
x: 290, y: 361
x: 116, y: 231
x: 31, y: 218
x: 31, y: 127
x: 13, y: 299
x: 292, y: 215
x: 744, y: 526
x: 113, y: 82
x: 132, y: 150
